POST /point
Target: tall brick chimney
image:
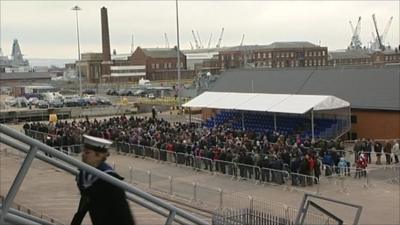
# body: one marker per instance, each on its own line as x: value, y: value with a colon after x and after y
x: 105, y: 37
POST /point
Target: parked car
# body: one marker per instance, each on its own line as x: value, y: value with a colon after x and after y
x: 42, y: 104
x: 103, y: 101
x: 33, y: 101
x: 151, y: 96
x: 56, y: 103
x: 89, y: 91
x: 111, y: 92
x: 125, y: 92
x: 140, y: 93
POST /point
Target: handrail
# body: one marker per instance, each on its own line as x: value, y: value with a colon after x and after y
x: 36, y: 145
x: 75, y: 172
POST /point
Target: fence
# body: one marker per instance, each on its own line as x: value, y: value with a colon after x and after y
x: 233, y: 170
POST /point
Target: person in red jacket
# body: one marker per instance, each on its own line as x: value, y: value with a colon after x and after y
x: 361, y: 166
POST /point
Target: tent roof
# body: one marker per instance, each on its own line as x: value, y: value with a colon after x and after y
x: 280, y: 103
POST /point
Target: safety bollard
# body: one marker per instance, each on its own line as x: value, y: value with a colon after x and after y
x: 170, y: 185
x: 220, y: 198
x: 194, y: 199
x: 149, y: 173
x: 130, y: 175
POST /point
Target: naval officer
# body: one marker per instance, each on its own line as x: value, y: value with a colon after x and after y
x: 105, y: 202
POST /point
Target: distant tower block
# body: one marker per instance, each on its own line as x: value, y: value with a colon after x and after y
x: 105, y: 36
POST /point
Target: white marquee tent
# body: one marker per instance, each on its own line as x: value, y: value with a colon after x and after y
x: 273, y: 103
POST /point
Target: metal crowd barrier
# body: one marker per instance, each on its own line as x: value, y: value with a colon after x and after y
x: 274, y: 176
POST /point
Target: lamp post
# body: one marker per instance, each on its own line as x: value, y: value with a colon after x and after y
x: 76, y: 9
x: 178, y: 57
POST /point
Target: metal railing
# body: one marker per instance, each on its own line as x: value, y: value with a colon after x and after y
x: 8, y: 137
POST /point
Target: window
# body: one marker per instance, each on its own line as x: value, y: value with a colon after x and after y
x: 169, y: 65
x: 269, y: 55
x: 264, y: 55
x: 319, y: 53
x: 323, y: 62
x: 353, y: 119
x: 232, y: 57
x: 153, y: 66
x: 287, y: 54
x: 165, y: 65
x: 323, y: 53
x: 259, y: 55
x: 157, y: 66
x: 291, y: 54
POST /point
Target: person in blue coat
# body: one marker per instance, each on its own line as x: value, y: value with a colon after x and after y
x: 105, y: 202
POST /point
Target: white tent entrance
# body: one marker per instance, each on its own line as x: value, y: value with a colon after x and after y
x: 273, y: 107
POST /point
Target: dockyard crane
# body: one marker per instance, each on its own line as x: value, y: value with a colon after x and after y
x: 241, y: 42
x: 220, y: 39
x: 191, y: 46
x: 209, y: 41
x: 385, y: 31
x: 166, y: 40
x: 198, y: 36
x: 352, y: 27
x: 195, y: 40
x: 381, y: 46
x: 355, y: 39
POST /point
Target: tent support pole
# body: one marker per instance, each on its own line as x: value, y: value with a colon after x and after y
x: 312, y: 126
x: 243, y: 121
x: 190, y: 115
x: 274, y: 121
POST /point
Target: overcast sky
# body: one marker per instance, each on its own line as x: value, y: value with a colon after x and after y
x: 47, y: 29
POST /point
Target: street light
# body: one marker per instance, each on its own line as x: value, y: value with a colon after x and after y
x: 179, y: 57
x: 76, y: 9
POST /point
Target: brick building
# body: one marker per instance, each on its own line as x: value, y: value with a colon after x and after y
x: 275, y: 55
x: 160, y: 63
x: 364, y: 57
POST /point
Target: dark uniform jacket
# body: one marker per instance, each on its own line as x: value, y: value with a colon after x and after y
x: 106, y: 203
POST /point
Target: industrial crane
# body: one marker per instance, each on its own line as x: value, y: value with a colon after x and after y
x: 220, y: 39
x: 195, y: 40
x: 241, y: 42
x: 198, y: 36
x: 381, y: 46
x: 166, y: 40
x: 209, y: 41
x: 355, y: 39
x: 385, y: 31
x: 191, y: 46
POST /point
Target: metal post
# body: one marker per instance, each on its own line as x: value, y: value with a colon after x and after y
x: 149, y: 173
x: 194, y: 191
x: 76, y: 9
x: 274, y: 122
x: 18, y: 181
x: 243, y: 121
x: 170, y: 185
x: 178, y: 57
x: 113, y: 165
x: 130, y: 175
x: 170, y: 218
x: 190, y: 115
x: 220, y: 198
x: 312, y: 126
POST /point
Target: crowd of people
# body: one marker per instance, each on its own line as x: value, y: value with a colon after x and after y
x: 268, y: 150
